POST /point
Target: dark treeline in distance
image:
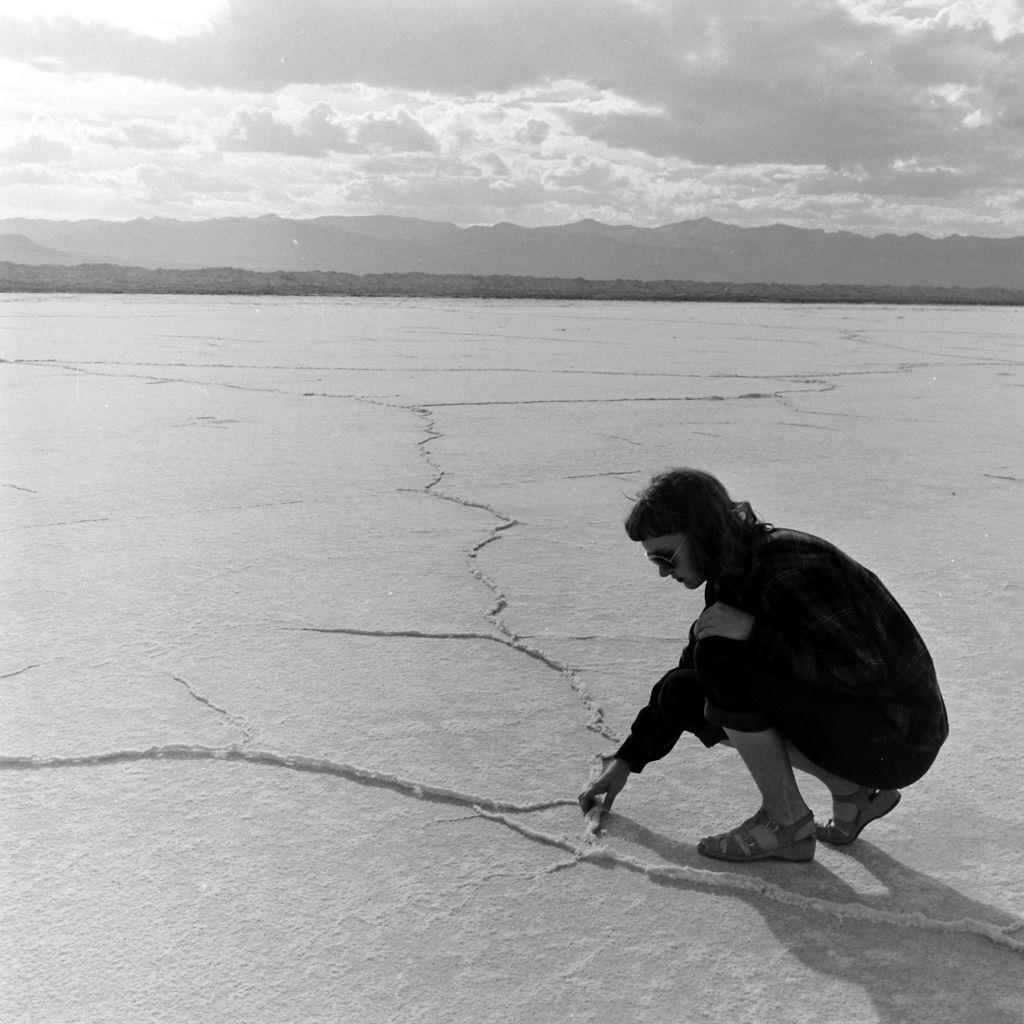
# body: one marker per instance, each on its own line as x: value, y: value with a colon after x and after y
x: 105, y: 278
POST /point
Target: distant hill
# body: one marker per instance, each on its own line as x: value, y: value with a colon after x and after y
x: 19, y: 249
x: 108, y: 278
x: 700, y: 250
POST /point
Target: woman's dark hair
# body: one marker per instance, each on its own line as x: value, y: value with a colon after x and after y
x: 693, y: 502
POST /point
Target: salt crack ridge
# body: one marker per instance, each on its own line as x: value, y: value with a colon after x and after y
x: 588, y: 850
x: 684, y: 876
x: 502, y: 634
x: 505, y: 635
x: 275, y: 759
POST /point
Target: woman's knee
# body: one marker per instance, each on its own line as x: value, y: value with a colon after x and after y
x: 678, y: 692
x: 736, y: 689
x: 718, y: 658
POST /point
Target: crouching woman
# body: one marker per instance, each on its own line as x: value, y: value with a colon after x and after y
x: 801, y: 659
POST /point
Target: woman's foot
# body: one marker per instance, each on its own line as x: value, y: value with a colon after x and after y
x: 763, y: 838
x: 852, y: 811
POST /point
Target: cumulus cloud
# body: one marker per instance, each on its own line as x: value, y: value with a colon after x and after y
x: 534, y: 132
x: 1001, y: 18
x: 261, y: 131
x: 398, y: 131
x: 586, y: 174
x: 322, y: 132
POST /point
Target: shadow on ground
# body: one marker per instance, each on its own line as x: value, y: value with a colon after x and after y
x: 928, y: 966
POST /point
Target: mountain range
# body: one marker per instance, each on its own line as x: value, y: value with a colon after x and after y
x: 696, y: 250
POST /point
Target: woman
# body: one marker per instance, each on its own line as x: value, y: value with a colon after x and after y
x: 801, y: 658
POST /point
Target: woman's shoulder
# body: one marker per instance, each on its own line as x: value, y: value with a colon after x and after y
x: 780, y: 538
x: 781, y: 546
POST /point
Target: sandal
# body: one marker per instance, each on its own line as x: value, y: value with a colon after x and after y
x: 741, y: 845
x: 871, y: 804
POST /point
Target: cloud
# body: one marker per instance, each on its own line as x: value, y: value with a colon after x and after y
x: 260, y: 131
x: 534, y: 132
x: 806, y: 84
x: 23, y: 174
x: 797, y: 81
x: 398, y: 132
x: 584, y: 174
x: 141, y: 135
x: 176, y: 187
x: 322, y: 132
x: 455, y: 190
x: 451, y: 46
x: 155, y: 18
x: 494, y: 165
x: 905, y: 182
x: 37, y: 149
x: 646, y: 110
x: 1002, y: 19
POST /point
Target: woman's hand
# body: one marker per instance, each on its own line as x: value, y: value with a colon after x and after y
x: 723, y: 620
x: 610, y: 783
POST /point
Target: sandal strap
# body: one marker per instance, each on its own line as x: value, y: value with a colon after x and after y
x: 744, y: 843
x: 842, y: 831
x: 859, y: 799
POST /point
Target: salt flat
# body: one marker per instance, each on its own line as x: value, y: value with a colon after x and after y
x: 318, y: 613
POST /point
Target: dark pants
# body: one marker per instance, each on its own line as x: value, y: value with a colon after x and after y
x: 853, y: 737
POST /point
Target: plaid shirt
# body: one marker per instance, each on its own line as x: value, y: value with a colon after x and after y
x: 828, y: 622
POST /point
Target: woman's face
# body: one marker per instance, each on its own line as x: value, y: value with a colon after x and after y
x: 672, y: 554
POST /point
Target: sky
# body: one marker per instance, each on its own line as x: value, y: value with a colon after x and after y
x: 871, y: 116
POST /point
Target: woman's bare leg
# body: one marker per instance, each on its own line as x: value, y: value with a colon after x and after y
x: 770, y: 759
x: 835, y: 783
x: 766, y: 755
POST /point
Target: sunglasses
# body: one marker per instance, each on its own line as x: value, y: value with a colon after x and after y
x: 668, y: 561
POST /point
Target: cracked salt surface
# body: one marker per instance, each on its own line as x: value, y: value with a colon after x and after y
x: 245, y: 665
